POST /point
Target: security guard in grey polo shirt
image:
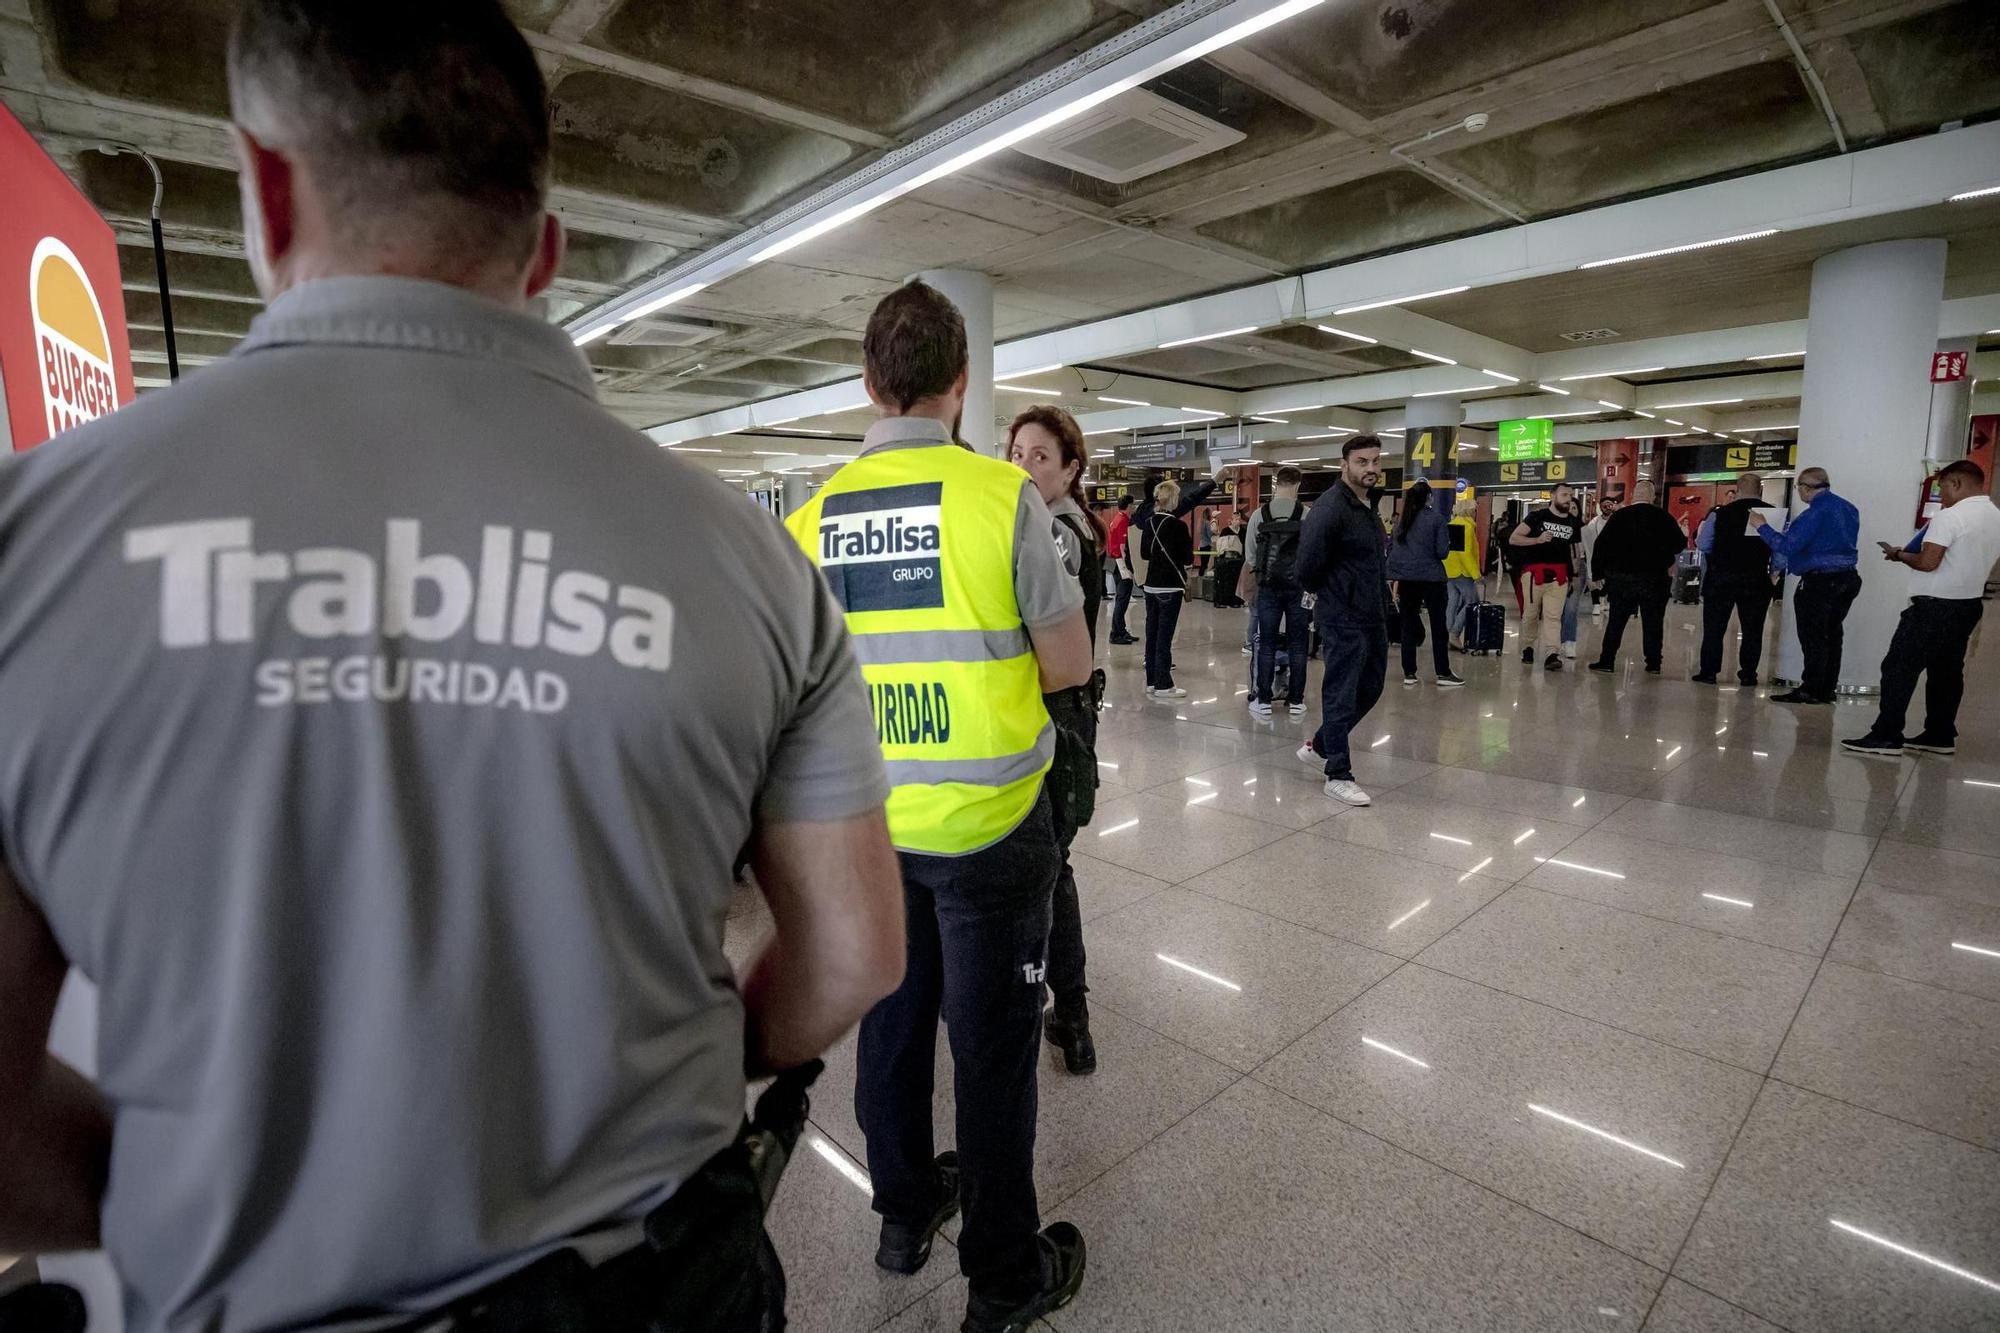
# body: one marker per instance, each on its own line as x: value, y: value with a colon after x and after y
x: 358, y: 748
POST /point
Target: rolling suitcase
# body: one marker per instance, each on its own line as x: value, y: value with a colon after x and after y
x: 1488, y: 629
x: 1687, y: 577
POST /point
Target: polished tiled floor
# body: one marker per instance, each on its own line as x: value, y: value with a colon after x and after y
x: 1629, y: 1004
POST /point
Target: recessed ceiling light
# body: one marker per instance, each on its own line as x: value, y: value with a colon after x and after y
x: 1401, y: 300
x: 1682, y: 249
x: 1608, y: 374
x: 1210, y: 337
x: 1343, y: 333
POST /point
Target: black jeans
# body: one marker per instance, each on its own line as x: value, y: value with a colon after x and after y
x: 1275, y: 605
x: 1751, y: 601
x: 1413, y: 599
x: 1228, y: 569
x: 1163, y: 613
x: 977, y: 934
x: 1119, y: 605
x: 1930, y: 639
x: 1821, y: 605
x: 1356, y: 662
x: 1646, y: 596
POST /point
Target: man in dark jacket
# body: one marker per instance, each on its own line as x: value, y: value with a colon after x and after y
x: 1738, y: 579
x: 1635, y: 556
x: 1340, y: 563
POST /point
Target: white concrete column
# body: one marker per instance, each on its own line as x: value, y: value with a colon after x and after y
x: 794, y: 491
x: 1870, y: 330
x: 972, y: 293
x: 1951, y: 408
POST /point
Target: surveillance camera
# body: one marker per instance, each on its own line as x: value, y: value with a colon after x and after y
x: 1476, y: 121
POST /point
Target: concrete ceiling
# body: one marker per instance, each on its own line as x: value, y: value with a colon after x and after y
x: 681, y: 122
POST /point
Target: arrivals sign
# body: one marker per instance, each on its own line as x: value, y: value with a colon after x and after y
x: 1689, y: 460
x: 64, y: 358
x: 1531, y: 438
x: 1530, y: 472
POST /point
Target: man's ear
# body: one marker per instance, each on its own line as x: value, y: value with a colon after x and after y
x: 270, y: 186
x: 549, y: 252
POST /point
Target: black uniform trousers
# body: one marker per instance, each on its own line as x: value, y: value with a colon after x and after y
x: 1820, y: 607
x: 977, y: 933
x: 1647, y: 597
x: 1750, y: 599
x: 1930, y: 640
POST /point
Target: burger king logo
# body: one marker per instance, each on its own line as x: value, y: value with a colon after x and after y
x: 71, y: 342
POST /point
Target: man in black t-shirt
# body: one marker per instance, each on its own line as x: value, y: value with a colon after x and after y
x: 1635, y: 557
x: 1545, y: 544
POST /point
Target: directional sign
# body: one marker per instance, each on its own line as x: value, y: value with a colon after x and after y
x: 1531, y: 438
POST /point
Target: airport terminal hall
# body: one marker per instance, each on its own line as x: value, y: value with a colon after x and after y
x: 1027, y: 666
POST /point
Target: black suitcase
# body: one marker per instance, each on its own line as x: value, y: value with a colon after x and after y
x: 1687, y: 578
x: 1488, y: 632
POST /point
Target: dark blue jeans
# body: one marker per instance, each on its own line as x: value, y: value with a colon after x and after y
x: 1930, y: 641
x: 977, y: 931
x: 1163, y: 614
x: 1356, y: 659
x: 1119, y: 606
x: 1287, y: 605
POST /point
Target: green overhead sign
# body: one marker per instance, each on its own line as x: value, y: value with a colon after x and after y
x: 1521, y: 441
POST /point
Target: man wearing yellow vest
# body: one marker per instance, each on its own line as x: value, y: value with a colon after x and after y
x: 962, y: 616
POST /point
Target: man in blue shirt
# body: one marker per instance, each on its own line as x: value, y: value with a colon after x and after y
x: 1818, y: 546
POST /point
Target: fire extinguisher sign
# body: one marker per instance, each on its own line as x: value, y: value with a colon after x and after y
x: 1947, y: 366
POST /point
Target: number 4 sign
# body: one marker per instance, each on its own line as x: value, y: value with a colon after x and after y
x: 1947, y: 366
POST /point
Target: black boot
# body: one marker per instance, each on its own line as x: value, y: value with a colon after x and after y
x: 1068, y: 1028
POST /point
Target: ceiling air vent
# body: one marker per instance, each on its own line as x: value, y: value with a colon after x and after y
x: 664, y: 332
x: 1588, y: 335
x: 1134, y: 134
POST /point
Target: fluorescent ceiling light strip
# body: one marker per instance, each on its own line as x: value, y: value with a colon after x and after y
x: 1440, y: 393
x: 1774, y: 356
x: 1402, y: 300
x: 1171, y: 961
x: 1023, y: 374
x: 1500, y: 375
x: 1609, y: 374
x: 1204, y: 412
x: 1979, y: 193
x: 1551, y: 416
x: 1210, y: 337
x: 1974, y: 948
x: 1124, y: 402
x: 1918, y: 1255
x: 737, y: 472
x: 1683, y: 249
x: 1605, y: 1134
x: 1648, y: 415
x: 1333, y: 434
x: 692, y: 449
x: 1400, y: 1055
x: 1432, y: 356
x: 1550, y: 388
x: 1698, y: 402
x: 1275, y: 421
x: 1671, y: 422
x: 1345, y: 333
x: 1030, y: 388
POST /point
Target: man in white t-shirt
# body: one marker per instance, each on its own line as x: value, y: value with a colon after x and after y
x: 1953, y: 558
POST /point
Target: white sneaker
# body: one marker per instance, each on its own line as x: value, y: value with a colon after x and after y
x: 1298, y: 710
x: 1260, y: 709
x: 1171, y: 692
x: 1569, y: 650
x: 1246, y: 650
x: 1310, y: 757
x: 1346, y: 791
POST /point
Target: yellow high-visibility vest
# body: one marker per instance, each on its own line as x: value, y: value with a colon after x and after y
x: 917, y: 543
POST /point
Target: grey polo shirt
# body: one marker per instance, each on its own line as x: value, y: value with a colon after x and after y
x: 396, y: 717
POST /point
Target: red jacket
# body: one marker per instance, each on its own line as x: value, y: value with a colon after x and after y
x: 1114, y: 537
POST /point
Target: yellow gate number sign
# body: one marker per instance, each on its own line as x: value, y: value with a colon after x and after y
x: 1558, y: 469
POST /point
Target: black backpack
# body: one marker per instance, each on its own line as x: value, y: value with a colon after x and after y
x: 1277, y: 553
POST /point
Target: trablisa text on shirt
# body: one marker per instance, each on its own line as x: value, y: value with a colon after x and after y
x: 212, y: 581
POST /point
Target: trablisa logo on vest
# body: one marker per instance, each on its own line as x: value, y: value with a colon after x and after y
x: 880, y: 549
x: 72, y: 346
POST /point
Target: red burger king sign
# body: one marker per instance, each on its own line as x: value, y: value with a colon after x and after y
x: 64, y: 358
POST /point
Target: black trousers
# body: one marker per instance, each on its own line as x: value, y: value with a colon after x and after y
x: 1930, y: 640
x: 1228, y: 569
x: 977, y: 933
x: 1277, y: 606
x: 1413, y: 599
x: 1356, y: 661
x: 1820, y: 606
x: 1119, y: 605
x: 1751, y: 601
x: 1163, y: 614
x: 1631, y: 593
